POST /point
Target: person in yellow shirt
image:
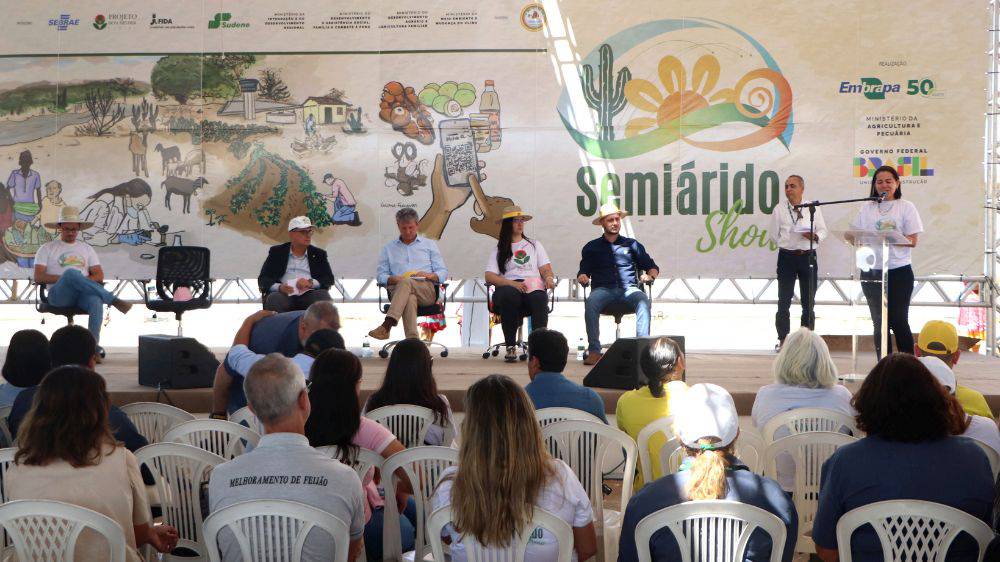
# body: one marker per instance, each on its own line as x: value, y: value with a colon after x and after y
x: 940, y: 339
x: 663, y: 365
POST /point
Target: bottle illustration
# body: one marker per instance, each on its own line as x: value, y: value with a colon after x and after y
x: 489, y: 103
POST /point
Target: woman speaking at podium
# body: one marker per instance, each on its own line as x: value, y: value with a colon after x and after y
x: 890, y: 212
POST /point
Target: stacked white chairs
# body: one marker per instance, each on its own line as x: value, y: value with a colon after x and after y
x: 274, y: 530
x: 6, y: 460
x: 245, y: 417
x: 515, y: 550
x: 154, y: 419
x: 911, y: 530
x: 181, y: 471
x: 365, y: 461
x: 224, y: 438
x: 423, y: 467
x: 409, y: 423
x: 711, y: 530
x: 803, y: 420
x: 585, y: 446
x: 48, y: 530
x: 808, y: 451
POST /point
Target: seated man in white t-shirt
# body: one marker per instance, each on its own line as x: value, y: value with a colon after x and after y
x: 980, y: 428
x: 284, y: 467
x: 73, y: 272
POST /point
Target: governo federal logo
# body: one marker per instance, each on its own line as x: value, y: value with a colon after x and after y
x: 698, y: 81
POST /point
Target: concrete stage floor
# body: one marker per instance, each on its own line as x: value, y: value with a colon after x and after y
x: 741, y: 373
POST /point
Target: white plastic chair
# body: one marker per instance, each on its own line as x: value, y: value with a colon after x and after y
x: 802, y: 420
x: 274, y: 530
x: 246, y: 418
x: 711, y: 530
x: 367, y: 459
x: 154, y: 419
x: 749, y: 449
x: 5, y: 427
x: 547, y: 416
x: 911, y: 529
x: 991, y: 454
x: 515, y: 551
x: 407, y: 422
x: 664, y: 425
x: 224, y: 438
x: 6, y: 460
x: 808, y: 452
x: 179, y: 471
x: 423, y: 467
x: 48, y: 530
x: 584, y: 446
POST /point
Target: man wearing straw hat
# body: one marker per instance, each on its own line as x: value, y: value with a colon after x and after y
x: 72, y: 271
x: 614, y: 266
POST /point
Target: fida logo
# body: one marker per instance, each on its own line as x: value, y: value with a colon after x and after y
x: 875, y: 89
x: 63, y: 22
x: 100, y: 22
x: 222, y: 20
x: 678, y: 101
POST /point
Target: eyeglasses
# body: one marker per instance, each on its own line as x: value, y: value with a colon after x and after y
x: 70, y: 229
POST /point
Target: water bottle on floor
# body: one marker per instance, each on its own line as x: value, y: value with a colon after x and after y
x: 366, y: 348
x: 579, y: 350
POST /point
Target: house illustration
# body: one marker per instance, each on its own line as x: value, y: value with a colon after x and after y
x: 326, y: 110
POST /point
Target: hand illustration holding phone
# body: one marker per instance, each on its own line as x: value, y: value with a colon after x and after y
x: 445, y: 200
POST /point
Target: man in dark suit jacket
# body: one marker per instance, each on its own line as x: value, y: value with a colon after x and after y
x: 296, y: 273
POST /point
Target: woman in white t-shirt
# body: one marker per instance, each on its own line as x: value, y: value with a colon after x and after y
x: 891, y: 213
x: 804, y: 377
x: 504, y: 472
x: 520, y: 270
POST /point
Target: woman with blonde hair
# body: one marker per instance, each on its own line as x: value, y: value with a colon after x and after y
x: 708, y: 425
x: 504, y: 472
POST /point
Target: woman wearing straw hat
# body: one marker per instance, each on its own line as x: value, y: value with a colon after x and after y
x: 73, y: 272
x: 520, y: 270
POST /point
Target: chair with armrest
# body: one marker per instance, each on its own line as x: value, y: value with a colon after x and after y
x: 437, y: 307
x: 493, y: 349
x: 618, y: 309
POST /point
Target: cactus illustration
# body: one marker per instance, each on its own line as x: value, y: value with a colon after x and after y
x: 608, y: 98
x: 354, y: 120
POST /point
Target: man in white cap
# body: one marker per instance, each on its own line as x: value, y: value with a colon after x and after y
x: 707, y: 426
x: 614, y: 265
x: 296, y: 273
x: 980, y: 428
x: 73, y: 272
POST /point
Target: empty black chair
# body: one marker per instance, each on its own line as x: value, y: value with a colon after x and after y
x: 181, y: 266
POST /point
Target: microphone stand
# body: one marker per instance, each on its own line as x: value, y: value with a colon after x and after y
x: 811, y: 284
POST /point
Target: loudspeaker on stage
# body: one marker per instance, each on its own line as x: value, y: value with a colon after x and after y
x: 619, y: 367
x: 175, y: 362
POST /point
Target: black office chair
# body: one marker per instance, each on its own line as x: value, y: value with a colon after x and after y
x: 42, y: 305
x: 181, y: 266
x: 492, y: 350
x: 617, y: 309
x: 437, y: 307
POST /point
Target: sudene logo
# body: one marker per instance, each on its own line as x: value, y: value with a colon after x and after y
x: 221, y: 20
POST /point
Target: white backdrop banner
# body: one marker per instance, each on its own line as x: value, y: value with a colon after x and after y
x: 213, y: 123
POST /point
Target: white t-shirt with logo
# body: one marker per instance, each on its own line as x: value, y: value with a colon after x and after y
x: 984, y: 430
x: 563, y: 496
x: 527, y: 257
x: 900, y: 215
x: 58, y: 256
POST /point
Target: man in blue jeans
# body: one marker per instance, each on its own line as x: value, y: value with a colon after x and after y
x: 73, y: 272
x: 614, y: 266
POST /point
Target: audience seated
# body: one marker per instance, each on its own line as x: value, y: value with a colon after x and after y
x: 547, y: 355
x: 409, y: 380
x: 26, y: 363
x: 980, y: 428
x: 336, y: 419
x: 708, y: 425
x: 74, y: 345
x: 285, y: 333
x: 805, y: 377
x: 663, y: 364
x: 940, y: 339
x: 67, y: 453
x: 504, y: 471
x: 910, y: 452
x: 283, y: 466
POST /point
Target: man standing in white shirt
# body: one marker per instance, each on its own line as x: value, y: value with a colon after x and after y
x: 796, y: 256
x: 73, y: 272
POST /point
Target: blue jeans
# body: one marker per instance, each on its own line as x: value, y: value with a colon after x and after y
x: 600, y: 298
x: 407, y: 528
x: 73, y: 289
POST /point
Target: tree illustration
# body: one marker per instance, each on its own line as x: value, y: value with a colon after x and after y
x: 608, y: 97
x: 125, y: 86
x: 104, y: 113
x: 272, y: 87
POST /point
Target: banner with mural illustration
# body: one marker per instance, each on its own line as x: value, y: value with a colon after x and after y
x: 213, y: 123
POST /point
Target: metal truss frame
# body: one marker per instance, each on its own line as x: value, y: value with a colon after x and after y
x: 991, y: 168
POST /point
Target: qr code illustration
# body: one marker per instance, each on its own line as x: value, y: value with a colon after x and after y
x: 460, y: 159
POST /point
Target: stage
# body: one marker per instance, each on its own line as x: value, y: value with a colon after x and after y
x: 742, y: 373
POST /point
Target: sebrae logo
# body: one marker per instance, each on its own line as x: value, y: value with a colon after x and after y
x: 63, y: 22
x: 875, y: 89
x: 221, y: 20
x: 100, y: 22
x: 681, y: 98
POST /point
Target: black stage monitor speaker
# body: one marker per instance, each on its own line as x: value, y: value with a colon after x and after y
x: 619, y: 367
x: 175, y: 362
